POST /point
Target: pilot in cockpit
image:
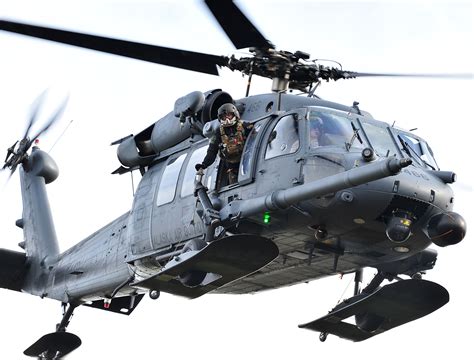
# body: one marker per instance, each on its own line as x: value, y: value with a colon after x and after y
x: 315, y: 131
x: 228, y: 141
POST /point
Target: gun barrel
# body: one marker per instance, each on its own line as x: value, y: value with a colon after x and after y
x: 282, y: 199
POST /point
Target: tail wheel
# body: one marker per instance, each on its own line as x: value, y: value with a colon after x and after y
x: 154, y: 294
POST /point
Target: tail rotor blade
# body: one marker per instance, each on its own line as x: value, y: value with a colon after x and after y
x: 10, y: 151
x: 35, y: 107
x: 51, y: 121
x: 18, y: 152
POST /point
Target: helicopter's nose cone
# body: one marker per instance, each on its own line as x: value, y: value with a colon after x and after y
x: 446, y: 229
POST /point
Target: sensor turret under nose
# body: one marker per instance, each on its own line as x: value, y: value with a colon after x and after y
x: 399, y: 226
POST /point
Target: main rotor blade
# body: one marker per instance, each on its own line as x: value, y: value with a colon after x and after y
x: 182, y: 59
x: 236, y: 25
x: 437, y: 76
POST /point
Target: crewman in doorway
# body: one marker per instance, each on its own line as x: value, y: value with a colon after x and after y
x: 228, y: 141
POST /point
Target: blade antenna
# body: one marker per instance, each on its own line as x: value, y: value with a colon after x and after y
x: 60, y: 136
x: 133, y: 184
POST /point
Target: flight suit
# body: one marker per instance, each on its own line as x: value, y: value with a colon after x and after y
x: 229, y: 142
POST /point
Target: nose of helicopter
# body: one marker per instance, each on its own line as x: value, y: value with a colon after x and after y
x: 416, y: 201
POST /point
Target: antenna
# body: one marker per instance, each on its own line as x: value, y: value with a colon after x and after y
x: 60, y: 136
x: 133, y: 184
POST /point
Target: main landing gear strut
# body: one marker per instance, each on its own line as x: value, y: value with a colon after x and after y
x: 378, y: 309
x: 57, y: 344
x: 210, y: 216
x: 358, y: 295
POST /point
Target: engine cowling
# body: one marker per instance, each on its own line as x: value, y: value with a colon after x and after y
x: 191, y: 112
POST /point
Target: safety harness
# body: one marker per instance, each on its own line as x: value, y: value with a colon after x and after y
x: 232, y: 145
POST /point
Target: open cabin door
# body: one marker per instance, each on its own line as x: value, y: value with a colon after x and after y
x: 248, y: 162
x: 216, y: 180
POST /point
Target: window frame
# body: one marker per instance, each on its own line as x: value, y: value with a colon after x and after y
x: 187, y: 165
x: 296, y: 118
x: 171, y: 160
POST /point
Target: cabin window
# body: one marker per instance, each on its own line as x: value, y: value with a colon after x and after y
x: 249, y: 152
x: 188, y: 180
x: 169, y: 180
x: 284, y: 138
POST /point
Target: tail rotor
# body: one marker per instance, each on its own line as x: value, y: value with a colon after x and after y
x: 18, y: 152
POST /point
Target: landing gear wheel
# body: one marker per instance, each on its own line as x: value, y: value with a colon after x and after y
x: 154, y: 294
x: 417, y: 276
x: 323, y: 336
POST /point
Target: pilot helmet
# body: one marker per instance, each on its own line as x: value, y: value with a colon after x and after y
x: 228, y: 115
x: 316, y: 122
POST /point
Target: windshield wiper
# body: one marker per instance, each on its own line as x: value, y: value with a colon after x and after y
x: 412, y: 153
x: 404, y: 146
x: 354, y: 136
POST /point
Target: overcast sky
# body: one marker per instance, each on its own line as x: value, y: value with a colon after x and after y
x: 111, y: 97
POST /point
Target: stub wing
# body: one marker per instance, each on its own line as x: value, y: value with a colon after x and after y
x: 12, y: 269
x: 222, y: 262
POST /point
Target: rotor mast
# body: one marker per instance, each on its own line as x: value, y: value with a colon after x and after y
x: 280, y: 84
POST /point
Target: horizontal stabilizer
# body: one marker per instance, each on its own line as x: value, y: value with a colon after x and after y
x: 12, y: 269
x: 54, y: 346
x: 390, y: 306
x: 123, y: 170
x: 120, y: 305
x: 223, y: 260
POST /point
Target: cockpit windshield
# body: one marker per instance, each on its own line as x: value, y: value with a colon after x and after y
x: 390, y: 141
x: 334, y: 128
x: 380, y: 138
x: 418, y: 150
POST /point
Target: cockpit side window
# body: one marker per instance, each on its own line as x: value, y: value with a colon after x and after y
x: 284, y: 138
x: 249, y: 152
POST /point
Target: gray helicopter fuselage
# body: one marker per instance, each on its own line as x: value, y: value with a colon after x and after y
x: 335, y: 233
x: 322, y: 188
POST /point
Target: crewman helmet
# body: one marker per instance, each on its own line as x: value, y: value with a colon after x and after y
x: 228, y: 115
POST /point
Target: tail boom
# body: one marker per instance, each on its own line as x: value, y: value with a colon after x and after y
x: 40, y: 241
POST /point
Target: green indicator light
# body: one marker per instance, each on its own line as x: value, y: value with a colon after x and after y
x: 266, y: 218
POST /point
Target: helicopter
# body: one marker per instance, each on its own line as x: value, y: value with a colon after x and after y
x: 273, y: 215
